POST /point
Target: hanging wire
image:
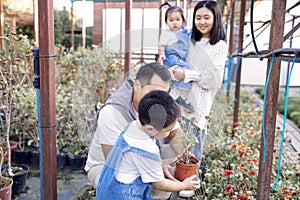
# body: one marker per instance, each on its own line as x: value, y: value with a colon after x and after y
x: 284, y: 122
x: 251, y: 26
x: 263, y: 109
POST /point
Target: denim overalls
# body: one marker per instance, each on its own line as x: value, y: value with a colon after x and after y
x: 109, y: 187
x: 176, y: 54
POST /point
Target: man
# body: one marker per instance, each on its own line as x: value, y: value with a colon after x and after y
x: 120, y: 109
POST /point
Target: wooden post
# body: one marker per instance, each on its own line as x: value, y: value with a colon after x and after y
x: 48, y: 107
x: 72, y: 24
x: 1, y: 24
x: 276, y: 41
x: 239, y: 66
x: 83, y: 31
x: 35, y: 22
x: 231, y: 41
x: 128, y: 7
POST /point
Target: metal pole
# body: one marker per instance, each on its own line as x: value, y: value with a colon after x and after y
x: 48, y: 107
x: 239, y: 66
x: 128, y: 7
x: 275, y: 41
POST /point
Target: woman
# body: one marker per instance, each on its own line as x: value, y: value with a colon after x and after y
x: 207, y: 56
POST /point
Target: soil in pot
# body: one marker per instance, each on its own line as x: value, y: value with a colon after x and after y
x: 184, y: 171
x: 5, y: 188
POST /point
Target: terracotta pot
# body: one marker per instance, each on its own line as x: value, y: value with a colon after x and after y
x: 5, y: 193
x: 13, y: 145
x: 184, y: 171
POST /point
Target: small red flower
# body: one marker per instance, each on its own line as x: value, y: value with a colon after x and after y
x: 252, y: 172
x: 229, y: 189
x: 227, y: 172
x: 253, y: 160
x: 234, y: 146
x: 235, y: 124
x: 242, y: 153
x: 243, y: 166
x: 287, y: 191
x: 243, y: 197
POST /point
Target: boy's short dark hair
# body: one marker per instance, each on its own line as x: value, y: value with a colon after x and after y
x: 158, y: 109
x: 147, y: 71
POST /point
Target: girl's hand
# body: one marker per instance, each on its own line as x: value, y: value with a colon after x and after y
x: 161, y: 58
x: 179, y: 73
x: 192, y: 183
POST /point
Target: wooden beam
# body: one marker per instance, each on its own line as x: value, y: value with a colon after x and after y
x: 290, y: 33
x: 128, y: 7
x: 47, y: 94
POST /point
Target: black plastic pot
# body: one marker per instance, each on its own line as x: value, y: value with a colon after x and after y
x: 35, y: 158
x: 61, y: 161
x: 76, y: 162
x: 20, y: 179
x: 22, y: 157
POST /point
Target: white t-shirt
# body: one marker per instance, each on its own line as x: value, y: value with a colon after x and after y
x: 133, y: 165
x: 114, y: 123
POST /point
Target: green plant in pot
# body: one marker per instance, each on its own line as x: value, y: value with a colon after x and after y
x: 187, y: 164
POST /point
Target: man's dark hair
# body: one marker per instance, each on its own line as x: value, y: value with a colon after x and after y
x: 217, y: 32
x: 158, y: 109
x: 147, y: 71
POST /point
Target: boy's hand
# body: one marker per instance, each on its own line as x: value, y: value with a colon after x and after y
x: 192, y: 183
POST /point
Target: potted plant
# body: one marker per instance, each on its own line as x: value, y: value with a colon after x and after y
x: 5, y: 182
x: 77, y: 154
x: 187, y: 164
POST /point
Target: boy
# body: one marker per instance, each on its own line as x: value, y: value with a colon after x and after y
x: 134, y: 165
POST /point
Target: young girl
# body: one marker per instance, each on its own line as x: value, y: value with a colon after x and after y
x: 134, y: 165
x: 173, y: 49
x: 207, y: 56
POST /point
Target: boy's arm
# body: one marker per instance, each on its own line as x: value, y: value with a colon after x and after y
x: 173, y: 186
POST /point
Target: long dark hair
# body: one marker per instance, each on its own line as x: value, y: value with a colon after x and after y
x: 217, y: 32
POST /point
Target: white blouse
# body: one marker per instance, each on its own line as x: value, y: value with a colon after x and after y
x: 208, y: 63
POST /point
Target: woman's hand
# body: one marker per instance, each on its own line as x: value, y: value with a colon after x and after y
x: 179, y: 73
